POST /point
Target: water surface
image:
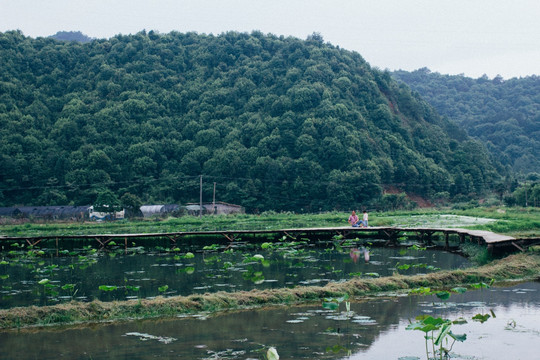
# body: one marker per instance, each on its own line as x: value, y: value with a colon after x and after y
x: 113, y: 275
x: 373, y: 329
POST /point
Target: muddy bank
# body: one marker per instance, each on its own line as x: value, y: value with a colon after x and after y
x: 520, y: 266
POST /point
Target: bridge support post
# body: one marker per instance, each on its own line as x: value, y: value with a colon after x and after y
x: 392, y: 236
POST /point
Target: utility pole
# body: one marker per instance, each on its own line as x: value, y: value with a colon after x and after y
x: 214, y: 200
x: 200, y: 198
x: 526, y: 197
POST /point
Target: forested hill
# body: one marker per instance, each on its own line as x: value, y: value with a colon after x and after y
x: 71, y: 36
x: 276, y: 122
x: 504, y: 114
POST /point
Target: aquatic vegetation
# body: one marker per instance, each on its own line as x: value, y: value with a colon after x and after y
x: 439, y: 331
x: 443, y: 295
x: 399, y: 266
x: 227, y: 265
x: 253, y: 275
x: 253, y: 258
x: 459, y: 289
x: 482, y: 285
x: 521, y: 266
x: 372, y: 274
x: 272, y: 354
x: 289, y: 263
x: 482, y: 318
x: 212, y: 247
x: 333, y: 303
x: 421, y: 290
x: 132, y: 288
x: 69, y: 287
x: 108, y: 287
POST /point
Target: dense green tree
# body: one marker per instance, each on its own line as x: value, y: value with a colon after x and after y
x: 278, y: 123
x: 505, y: 114
x: 526, y: 195
x: 131, y: 204
x: 107, y: 201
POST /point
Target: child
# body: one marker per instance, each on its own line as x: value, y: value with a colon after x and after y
x: 365, y: 219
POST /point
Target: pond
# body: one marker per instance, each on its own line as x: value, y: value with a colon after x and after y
x: 37, y: 277
x: 372, y: 329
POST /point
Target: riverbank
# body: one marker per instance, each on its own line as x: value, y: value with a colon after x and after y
x: 523, y: 266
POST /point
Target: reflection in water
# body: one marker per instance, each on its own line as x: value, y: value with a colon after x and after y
x: 355, y: 254
x: 151, y: 274
x: 372, y: 329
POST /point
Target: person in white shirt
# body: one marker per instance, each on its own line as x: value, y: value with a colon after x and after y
x: 365, y: 219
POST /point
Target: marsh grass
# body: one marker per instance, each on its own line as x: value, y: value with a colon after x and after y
x: 477, y: 254
x: 520, y: 266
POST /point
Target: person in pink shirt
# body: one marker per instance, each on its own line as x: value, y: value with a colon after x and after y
x: 353, y: 219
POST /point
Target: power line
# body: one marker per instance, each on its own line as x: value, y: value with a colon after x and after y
x: 144, y: 181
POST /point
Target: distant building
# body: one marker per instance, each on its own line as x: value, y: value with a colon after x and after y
x: 87, y: 211
x: 101, y: 215
x: 45, y: 212
x: 159, y: 210
x: 220, y: 208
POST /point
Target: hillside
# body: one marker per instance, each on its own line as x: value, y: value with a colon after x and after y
x: 276, y: 122
x: 71, y: 36
x: 504, y: 114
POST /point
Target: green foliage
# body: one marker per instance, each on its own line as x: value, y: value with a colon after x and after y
x: 476, y: 253
x: 501, y: 113
x: 107, y: 202
x: 438, y: 330
x: 108, y: 287
x: 333, y: 303
x: 132, y: 204
x: 481, y: 318
x: 525, y: 195
x: 277, y: 123
x: 272, y: 354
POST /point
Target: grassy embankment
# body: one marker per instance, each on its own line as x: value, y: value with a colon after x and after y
x: 517, y: 222
x: 515, y: 267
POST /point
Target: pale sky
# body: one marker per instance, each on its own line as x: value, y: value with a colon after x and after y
x: 470, y: 37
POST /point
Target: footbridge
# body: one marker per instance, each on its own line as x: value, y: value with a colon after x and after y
x: 391, y: 236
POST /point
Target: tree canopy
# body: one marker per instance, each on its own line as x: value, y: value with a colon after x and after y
x: 504, y: 114
x: 276, y: 122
